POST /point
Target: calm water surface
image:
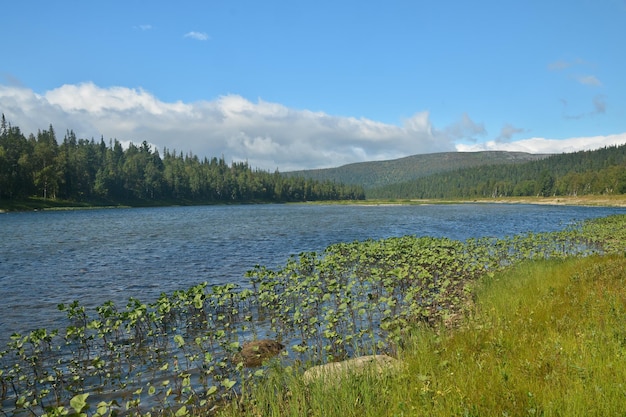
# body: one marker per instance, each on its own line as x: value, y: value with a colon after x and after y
x: 47, y: 258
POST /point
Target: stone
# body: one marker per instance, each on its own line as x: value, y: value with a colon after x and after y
x: 334, y: 371
x: 256, y: 352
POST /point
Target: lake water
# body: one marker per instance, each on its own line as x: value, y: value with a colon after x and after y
x: 53, y: 257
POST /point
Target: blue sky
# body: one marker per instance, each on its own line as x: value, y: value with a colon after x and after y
x: 295, y: 84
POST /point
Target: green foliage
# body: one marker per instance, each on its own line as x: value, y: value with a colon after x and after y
x: 544, y: 338
x: 179, y: 353
x: 580, y: 173
x: 375, y: 174
x: 86, y: 170
x: 331, y: 303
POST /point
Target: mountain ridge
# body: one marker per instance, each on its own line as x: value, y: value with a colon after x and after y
x: 374, y: 174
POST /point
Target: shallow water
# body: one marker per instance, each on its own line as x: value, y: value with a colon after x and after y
x: 53, y: 257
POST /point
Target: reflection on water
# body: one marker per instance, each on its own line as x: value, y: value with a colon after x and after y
x: 48, y: 258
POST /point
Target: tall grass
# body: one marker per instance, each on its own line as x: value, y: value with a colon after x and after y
x: 545, y: 338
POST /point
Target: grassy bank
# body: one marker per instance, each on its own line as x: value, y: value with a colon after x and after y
x: 545, y: 338
x: 31, y: 204
x: 36, y: 204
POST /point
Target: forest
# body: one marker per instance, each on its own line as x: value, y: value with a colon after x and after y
x: 97, y: 172
x: 94, y: 171
x: 601, y: 171
x: 379, y: 174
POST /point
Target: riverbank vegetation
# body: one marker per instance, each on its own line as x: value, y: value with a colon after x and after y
x: 178, y: 355
x: 82, y: 172
x: 545, y: 338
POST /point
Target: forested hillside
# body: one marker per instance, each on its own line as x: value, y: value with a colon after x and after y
x: 382, y: 173
x: 88, y: 170
x: 601, y: 171
x: 85, y: 170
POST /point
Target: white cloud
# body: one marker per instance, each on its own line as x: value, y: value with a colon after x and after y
x: 200, y: 36
x: 543, y: 145
x: 466, y: 128
x: 507, y: 132
x: 599, y: 107
x: 590, y: 80
x: 599, y: 104
x: 561, y: 64
x: 267, y: 135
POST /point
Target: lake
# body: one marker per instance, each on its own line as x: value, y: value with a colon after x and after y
x: 53, y: 257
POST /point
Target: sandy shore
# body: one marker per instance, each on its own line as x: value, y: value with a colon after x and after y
x: 587, y: 200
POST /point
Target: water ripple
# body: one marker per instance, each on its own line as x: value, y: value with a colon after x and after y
x: 48, y: 258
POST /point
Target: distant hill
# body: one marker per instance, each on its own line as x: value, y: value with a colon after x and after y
x: 378, y: 174
x: 600, y: 171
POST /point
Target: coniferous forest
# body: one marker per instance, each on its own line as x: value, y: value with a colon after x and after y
x: 96, y: 171
x: 596, y: 172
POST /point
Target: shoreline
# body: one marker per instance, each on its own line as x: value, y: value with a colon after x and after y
x: 617, y: 200
x: 587, y: 200
x: 590, y: 200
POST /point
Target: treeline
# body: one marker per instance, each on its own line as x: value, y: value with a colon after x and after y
x: 88, y: 170
x: 601, y: 171
x: 379, y: 174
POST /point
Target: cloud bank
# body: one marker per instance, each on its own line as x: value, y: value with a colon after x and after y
x: 268, y: 135
x: 542, y: 145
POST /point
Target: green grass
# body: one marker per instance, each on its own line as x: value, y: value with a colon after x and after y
x: 34, y: 203
x: 546, y: 338
x: 38, y: 203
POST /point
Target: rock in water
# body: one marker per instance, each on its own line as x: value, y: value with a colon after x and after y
x: 254, y: 353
